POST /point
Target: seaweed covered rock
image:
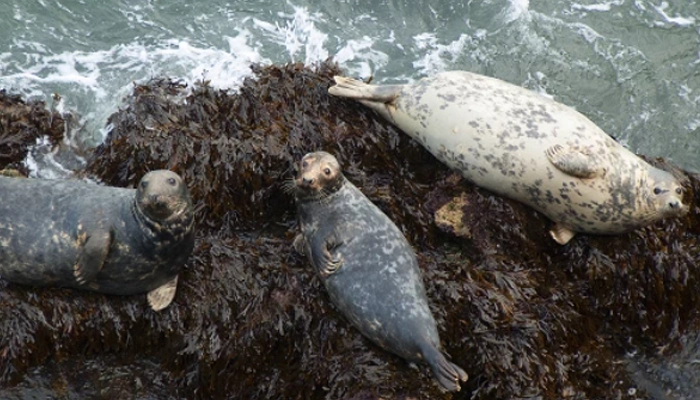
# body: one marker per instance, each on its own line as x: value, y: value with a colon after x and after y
x: 525, y: 317
x: 22, y: 123
x: 236, y: 149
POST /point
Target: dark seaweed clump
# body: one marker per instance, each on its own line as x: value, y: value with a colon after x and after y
x: 21, y: 124
x: 525, y: 317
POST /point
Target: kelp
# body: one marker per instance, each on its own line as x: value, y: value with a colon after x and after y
x: 525, y: 317
x: 22, y: 123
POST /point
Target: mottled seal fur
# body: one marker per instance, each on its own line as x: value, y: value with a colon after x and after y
x: 368, y: 268
x: 527, y: 147
x: 105, y: 239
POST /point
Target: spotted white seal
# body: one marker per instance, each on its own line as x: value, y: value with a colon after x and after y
x: 525, y: 146
x: 105, y: 239
x: 367, y: 266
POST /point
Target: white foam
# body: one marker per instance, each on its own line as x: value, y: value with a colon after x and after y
x: 358, y: 56
x: 297, y: 34
x: 438, y: 57
x: 599, y: 7
x: 519, y: 9
x: 681, y: 21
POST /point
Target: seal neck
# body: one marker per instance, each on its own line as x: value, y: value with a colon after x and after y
x: 175, y: 227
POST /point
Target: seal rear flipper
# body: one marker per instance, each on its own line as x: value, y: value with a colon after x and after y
x: 92, y: 256
x: 358, y: 90
x: 575, y: 161
x: 162, y: 296
x: 446, y: 373
x: 561, y: 234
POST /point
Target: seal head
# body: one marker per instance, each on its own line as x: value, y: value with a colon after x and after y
x: 319, y: 176
x: 664, y: 195
x: 163, y: 203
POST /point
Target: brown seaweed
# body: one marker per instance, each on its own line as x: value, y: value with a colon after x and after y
x: 21, y: 124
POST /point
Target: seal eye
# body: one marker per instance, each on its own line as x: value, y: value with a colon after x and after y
x: 304, y: 164
x: 657, y: 191
x: 144, y: 185
x: 171, y: 181
x: 327, y: 171
x: 679, y: 190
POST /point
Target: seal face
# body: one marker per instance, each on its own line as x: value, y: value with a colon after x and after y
x: 367, y: 266
x: 521, y: 145
x: 104, y: 239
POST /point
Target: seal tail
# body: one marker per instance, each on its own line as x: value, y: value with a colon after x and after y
x: 446, y: 373
x: 358, y: 90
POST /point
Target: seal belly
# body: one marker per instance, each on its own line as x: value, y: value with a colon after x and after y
x: 507, y: 155
x: 379, y: 287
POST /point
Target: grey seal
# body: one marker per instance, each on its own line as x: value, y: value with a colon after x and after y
x: 367, y: 266
x: 69, y: 233
x: 527, y: 147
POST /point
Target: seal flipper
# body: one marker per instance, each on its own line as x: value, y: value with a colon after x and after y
x: 321, y: 256
x: 92, y: 257
x: 358, y: 90
x: 575, y: 161
x: 446, y: 373
x: 299, y: 244
x: 561, y: 234
x: 162, y: 296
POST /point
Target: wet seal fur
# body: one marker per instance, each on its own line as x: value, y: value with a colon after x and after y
x: 105, y: 239
x: 522, y: 145
x: 367, y: 266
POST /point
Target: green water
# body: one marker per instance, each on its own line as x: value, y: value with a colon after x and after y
x: 631, y: 66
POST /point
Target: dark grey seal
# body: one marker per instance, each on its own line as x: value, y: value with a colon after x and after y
x: 105, y: 239
x: 367, y: 266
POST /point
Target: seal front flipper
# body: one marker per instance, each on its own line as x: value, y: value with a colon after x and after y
x: 162, y: 296
x: 561, y: 234
x: 575, y: 161
x: 299, y: 244
x: 322, y: 256
x: 92, y: 257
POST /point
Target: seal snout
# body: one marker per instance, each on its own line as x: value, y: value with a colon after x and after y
x: 307, y: 182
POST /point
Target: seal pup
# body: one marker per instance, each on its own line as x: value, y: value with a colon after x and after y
x: 105, y: 239
x: 527, y: 147
x: 367, y: 266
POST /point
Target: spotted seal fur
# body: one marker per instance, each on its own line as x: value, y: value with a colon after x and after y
x: 525, y: 146
x: 367, y: 266
x: 111, y: 240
